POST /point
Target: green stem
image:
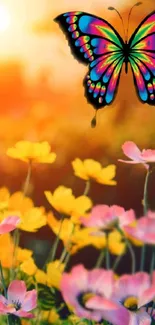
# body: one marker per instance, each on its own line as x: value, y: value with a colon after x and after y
x: 107, y: 255
x: 65, y: 253
x: 146, y: 205
x: 152, y: 265
x: 117, y: 261
x: 128, y: 244
x: 53, y: 251
x: 87, y: 187
x: 3, y: 281
x: 100, y: 259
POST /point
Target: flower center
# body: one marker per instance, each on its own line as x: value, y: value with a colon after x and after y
x: 131, y: 303
x: 84, y: 297
x: 17, y: 304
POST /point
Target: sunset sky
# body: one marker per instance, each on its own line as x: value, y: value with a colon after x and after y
x: 19, y: 41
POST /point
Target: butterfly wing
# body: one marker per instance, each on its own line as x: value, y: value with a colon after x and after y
x: 95, y: 42
x: 142, y: 59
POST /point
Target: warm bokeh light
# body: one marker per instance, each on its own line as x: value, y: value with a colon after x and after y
x: 4, y: 18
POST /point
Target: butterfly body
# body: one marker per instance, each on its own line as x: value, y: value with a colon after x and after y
x: 95, y: 42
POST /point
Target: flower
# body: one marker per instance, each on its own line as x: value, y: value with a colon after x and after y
x: 54, y: 273
x: 144, y: 157
x: 4, y: 198
x: 28, y: 266
x: 91, y: 169
x: 65, y: 202
x: 21, y: 301
x: 63, y: 227
x: 80, y: 285
x: 105, y: 217
x: 6, y: 249
x: 50, y: 316
x: 9, y: 224
x: 33, y: 219
x: 133, y: 292
x: 143, y: 230
x: 41, y: 276
x: 32, y: 152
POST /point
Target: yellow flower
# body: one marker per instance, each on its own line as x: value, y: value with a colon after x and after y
x: 54, y: 273
x: 63, y: 228
x: 4, y: 198
x: 91, y: 169
x: 6, y: 250
x: 51, y: 316
x: 65, y: 202
x: 41, y: 276
x: 33, y: 219
x: 29, y: 267
x: 23, y: 254
x: 115, y: 243
x: 35, y: 152
x: 83, y: 237
x: 20, y: 202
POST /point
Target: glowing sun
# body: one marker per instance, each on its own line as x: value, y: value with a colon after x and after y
x: 4, y: 18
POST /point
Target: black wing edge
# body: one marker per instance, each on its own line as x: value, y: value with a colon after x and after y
x: 61, y: 20
x: 142, y: 22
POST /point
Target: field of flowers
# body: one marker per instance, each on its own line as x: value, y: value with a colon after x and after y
x: 62, y: 293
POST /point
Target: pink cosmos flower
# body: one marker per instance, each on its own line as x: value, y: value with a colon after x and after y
x: 132, y: 293
x: 106, y: 217
x: 144, y: 229
x: 80, y: 285
x: 144, y: 157
x: 20, y: 300
x: 9, y: 224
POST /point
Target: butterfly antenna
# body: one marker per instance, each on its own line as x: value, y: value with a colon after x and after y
x: 136, y: 5
x: 112, y: 8
x: 94, y: 121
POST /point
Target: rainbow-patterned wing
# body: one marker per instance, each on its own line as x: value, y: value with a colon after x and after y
x: 142, y: 59
x: 95, y: 42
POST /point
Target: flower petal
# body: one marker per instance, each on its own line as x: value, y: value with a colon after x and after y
x: 147, y: 296
x: 132, y: 151
x: 30, y: 300
x: 16, y: 291
x: 9, y: 224
x: 112, y: 312
x: 22, y: 313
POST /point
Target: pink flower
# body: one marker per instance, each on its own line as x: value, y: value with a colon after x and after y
x: 144, y: 157
x: 20, y: 300
x: 144, y: 229
x: 108, y: 217
x: 9, y: 224
x: 134, y: 292
x: 81, y: 285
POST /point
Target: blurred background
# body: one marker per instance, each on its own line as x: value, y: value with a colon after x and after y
x: 42, y: 98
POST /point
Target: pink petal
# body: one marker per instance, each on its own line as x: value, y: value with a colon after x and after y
x: 9, y: 224
x: 147, y: 296
x: 132, y: 151
x: 131, y: 285
x: 100, y: 303
x: 22, y: 313
x: 112, y: 312
x: 139, y: 318
x: 148, y: 155
x: 16, y: 291
x: 101, y: 282
x: 30, y: 301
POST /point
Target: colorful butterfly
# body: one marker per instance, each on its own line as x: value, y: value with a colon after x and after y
x: 93, y: 40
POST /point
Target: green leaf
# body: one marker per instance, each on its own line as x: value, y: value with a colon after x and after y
x: 46, y: 297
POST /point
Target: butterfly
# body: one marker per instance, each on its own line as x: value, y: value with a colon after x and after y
x: 96, y: 42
